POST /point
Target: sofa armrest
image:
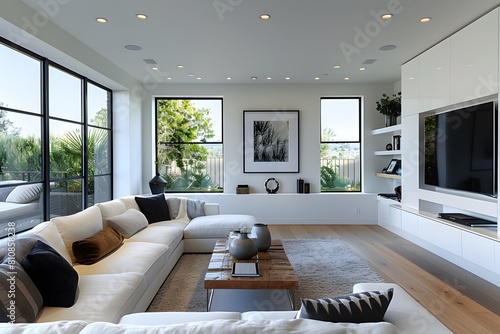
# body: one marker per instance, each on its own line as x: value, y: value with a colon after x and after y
x: 210, y: 209
x: 404, y: 312
x: 172, y: 318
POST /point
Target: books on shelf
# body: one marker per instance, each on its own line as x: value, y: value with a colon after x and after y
x: 245, y: 269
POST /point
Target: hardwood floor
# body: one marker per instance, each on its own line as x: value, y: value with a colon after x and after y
x: 462, y: 301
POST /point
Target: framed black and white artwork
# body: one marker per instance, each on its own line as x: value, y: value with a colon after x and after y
x: 270, y: 141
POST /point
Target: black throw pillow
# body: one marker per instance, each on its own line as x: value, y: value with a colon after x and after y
x: 368, y: 306
x: 53, y: 276
x: 155, y: 208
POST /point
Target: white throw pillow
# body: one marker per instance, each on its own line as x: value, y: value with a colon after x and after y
x: 111, y: 209
x: 49, y: 231
x: 81, y: 225
x: 25, y: 193
x: 128, y: 223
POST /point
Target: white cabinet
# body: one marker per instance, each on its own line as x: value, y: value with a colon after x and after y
x: 497, y: 257
x: 434, y: 81
x: 394, y: 217
x: 409, y: 222
x: 383, y: 212
x: 474, y: 59
x: 478, y: 250
x: 441, y: 235
x: 409, y: 88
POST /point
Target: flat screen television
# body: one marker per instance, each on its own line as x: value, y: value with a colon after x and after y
x: 460, y: 149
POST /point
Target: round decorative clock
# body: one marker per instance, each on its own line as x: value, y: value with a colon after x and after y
x: 272, y: 185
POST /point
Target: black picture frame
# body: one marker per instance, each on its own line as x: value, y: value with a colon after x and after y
x: 393, y: 166
x: 276, y: 149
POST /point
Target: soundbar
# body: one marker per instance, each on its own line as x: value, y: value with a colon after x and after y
x: 466, y: 219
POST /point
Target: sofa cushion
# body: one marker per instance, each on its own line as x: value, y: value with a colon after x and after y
x: 194, y: 208
x: 49, y: 232
x: 147, y: 259
x: 367, y: 306
x: 101, y: 298
x: 155, y: 208
x: 216, y: 226
x: 62, y: 327
x: 163, y: 235
x: 128, y: 223
x: 78, y: 226
x: 54, y: 277
x: 21, y: 243
x: 111, y: 209
x: 91, y: 250
x: 25, y: 193
x: 18, y: 288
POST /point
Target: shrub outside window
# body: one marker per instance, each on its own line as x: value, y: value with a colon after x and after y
x: 189, y: 144
x: 340, y: 144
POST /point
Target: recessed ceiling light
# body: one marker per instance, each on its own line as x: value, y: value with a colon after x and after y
x: 180, y: 66
x: 169, y: 78
x: 362, y: 68
x: 268, y: 78
x: 388, y: 47
x: 199, y: 78
x: 141, y: 16
x: 411, y: 78
x: 132, y: 47
x: 287, y: 78
x: 386, y: 16
x: 336, y: 66
x: 229, y: 78
x: 191, y: 74
x: 317, y: 78
x: 154, y: 68
x: 101, y: 20
x: 253, y: 78
x: 425, y: 19
x: 265, y: 16
x: 347, y: 78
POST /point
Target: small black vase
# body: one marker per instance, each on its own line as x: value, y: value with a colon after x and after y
x: 157, y: 184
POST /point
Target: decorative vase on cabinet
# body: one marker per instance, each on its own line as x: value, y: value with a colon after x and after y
x: 263, y: 235
x: 242, y: 247
x: 157, y: 184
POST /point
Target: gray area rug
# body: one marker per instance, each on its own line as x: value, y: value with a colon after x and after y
x: 325, y: 268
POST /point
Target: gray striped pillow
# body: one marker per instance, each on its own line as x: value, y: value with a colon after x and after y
x: 20, y: 300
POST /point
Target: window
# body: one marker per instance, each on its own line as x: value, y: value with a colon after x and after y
x: 340, y: 144
x: 189, y: 144
x: 55, y: 140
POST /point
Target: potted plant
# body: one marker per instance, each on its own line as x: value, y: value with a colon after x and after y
x: 390, y: 106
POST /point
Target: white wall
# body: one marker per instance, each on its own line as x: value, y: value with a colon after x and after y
x: 306, y: 99
x: 133, y: 148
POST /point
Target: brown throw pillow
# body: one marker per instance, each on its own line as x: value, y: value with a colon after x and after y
x: 91, y: 250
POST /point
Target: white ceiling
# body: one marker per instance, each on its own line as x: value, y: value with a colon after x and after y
x: 215, y: 39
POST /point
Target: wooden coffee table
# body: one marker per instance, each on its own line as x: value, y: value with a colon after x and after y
x: 276, y: 272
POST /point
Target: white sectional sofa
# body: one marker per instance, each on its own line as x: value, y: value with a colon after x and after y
x: 115, y: 290
x: 127, y: 279
x: 404, y: 315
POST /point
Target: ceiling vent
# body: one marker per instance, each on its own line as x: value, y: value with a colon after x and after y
x: 150, y: 61
x: 369, y: 61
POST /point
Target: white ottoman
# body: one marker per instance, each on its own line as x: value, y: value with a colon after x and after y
x: 202, y: 232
